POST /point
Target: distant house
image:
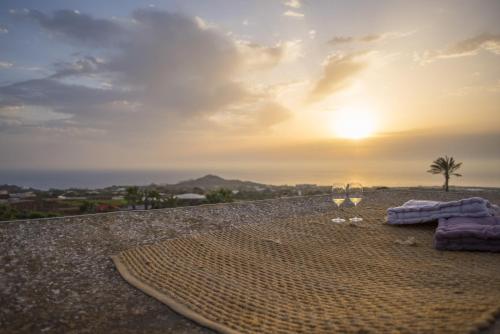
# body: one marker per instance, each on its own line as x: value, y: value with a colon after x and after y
x: 190, y: 196
x: 28, y: 194
x: 118, y: 198
x: 66, y: 196
x: 190, y: 199
x: 4, y: 194
x: 306, y: 186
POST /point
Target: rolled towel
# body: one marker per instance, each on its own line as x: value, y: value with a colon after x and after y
x: 416, y: 211
x: 464, y: 233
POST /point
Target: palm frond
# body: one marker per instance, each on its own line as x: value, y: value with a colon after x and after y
x: 434, y: 171
x: 455, y: 167
x: 447, y: 166
x: 444, y: 165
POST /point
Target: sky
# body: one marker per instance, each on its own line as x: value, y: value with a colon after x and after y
x: 285, y: 89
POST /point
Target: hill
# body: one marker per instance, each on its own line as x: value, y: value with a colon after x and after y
x: 210, y: 182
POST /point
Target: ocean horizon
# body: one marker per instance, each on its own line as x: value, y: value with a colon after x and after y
x: 92, y: 179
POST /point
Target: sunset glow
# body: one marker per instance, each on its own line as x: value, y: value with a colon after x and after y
x: 354, y: 123
x: 252, y: 85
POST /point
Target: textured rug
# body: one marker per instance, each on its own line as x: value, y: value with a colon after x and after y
x: 318, y: 277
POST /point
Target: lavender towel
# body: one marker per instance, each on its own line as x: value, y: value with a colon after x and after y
x: 415, y: 211
x: 464, y: 233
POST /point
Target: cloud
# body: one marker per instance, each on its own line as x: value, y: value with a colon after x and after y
x: 257, y: 115
x: 81, y: 66
x: 293, y: 14
x: 341, y: 39
x: 5, y: 64
x: 468, y: 47
x: 29, y: 115
x: 177, y: 65
x: 270, y: 114
x: 492, y: 88
x: 76, y: 26
x: 258, y: 56
x: 292, y: 3
x: 49, y: 92
x: 3, y: 29
x: 338, y: 70
x: 404, y: 146
x: 158, y: 66
x: 369, y: 38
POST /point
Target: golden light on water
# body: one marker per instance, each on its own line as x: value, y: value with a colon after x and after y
x: 355, y: 122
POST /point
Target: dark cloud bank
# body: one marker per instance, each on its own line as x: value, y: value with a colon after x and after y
x: 152, y: 65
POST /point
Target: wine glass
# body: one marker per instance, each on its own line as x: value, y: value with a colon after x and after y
x: 355, y: 195
x: 338, y: 197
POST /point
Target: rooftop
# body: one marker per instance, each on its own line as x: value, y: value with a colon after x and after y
x: 57, y: 275
x: 190, y: 196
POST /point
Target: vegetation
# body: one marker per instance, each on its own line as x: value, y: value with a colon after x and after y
x: 220, y: 196
x: 446, y: 166
x: 9, y: 213
x: 133, y: 196
x: 88, y: 207
x: 74, y: 201
x: 155, y: 199
x: 171, y: 202
x: 151, y: 198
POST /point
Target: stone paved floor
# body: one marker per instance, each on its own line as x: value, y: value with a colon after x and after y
x: 56, y: 275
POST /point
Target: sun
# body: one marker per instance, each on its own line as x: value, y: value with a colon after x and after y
x: 354, y: 122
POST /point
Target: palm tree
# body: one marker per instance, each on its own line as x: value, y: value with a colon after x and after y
x: 155, y: 198
x: 171, y: 201
x: 132, y: 196
x: 145, y: 197
x: 446, y: 166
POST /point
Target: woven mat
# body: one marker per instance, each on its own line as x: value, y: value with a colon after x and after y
x: 318, y: 277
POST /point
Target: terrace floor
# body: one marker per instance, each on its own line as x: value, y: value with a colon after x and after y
x: 56, y: 275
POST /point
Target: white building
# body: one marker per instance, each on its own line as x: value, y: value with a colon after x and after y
x: 28, y: 194
x: 190, y: 196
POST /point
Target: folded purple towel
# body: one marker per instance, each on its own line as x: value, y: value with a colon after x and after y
x: 464, y: 233
x: 416, y: 211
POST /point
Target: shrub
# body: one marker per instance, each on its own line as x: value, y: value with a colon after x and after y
x: 7, y: 212
x: 220, y: 196
x: 36, y: 214
x: 88, y: 207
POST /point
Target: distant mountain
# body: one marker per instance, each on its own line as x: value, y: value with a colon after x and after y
x: 210, y: 182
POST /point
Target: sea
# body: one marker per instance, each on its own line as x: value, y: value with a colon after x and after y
x: 93, y: 179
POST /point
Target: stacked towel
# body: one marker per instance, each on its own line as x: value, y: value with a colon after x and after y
x: 463, y: 233
x: 415, y: 211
